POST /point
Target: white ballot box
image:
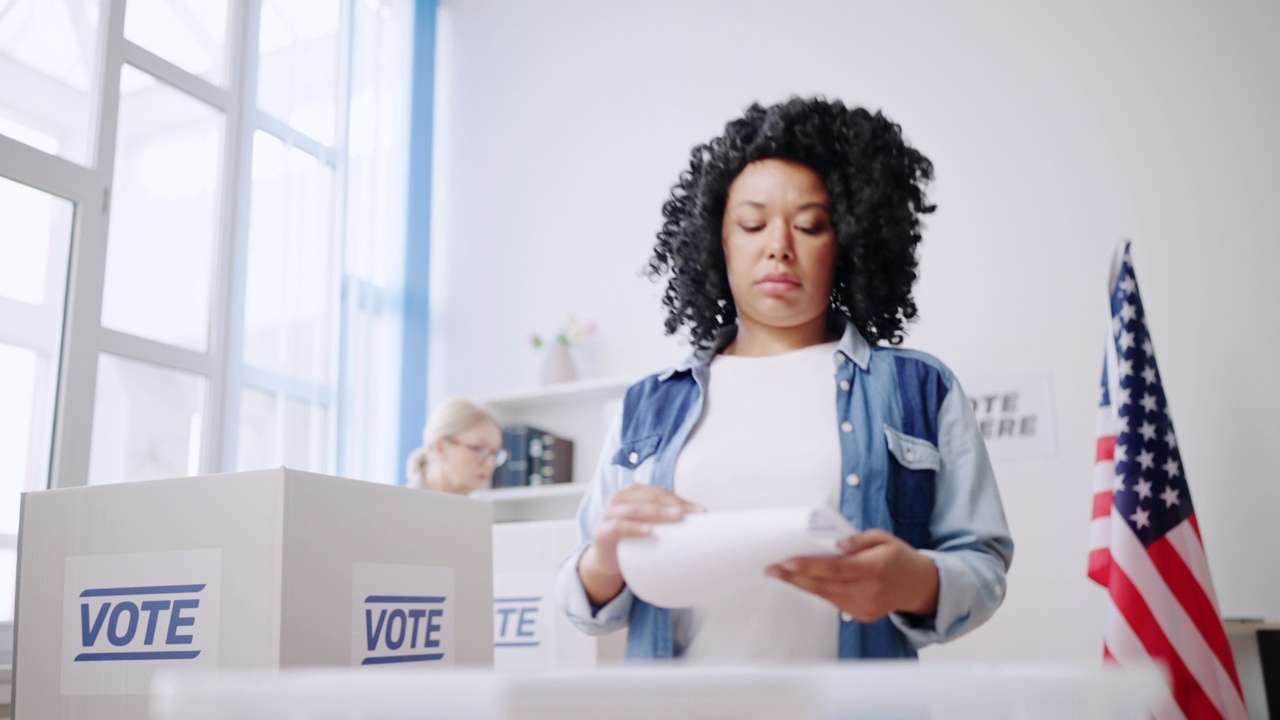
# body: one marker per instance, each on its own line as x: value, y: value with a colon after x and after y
x: 834, y: 691
x: 265, y: 569
x: 529, y: 631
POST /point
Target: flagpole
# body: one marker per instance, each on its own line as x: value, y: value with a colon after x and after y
x: 1117, y: 262
x: 1113, y: 374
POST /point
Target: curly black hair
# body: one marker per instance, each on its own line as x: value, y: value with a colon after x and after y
x: 877, y: 186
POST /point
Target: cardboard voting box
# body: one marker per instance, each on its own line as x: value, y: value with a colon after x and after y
x: 529, y: 631
x: 264, y: 569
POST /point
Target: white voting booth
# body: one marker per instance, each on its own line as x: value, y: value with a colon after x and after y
x: 529, y: 631
x: 255, y: 570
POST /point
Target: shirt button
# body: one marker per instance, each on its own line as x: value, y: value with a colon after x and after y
x: 844, y: 384
x: 634, y: 458
x: 852, y: 480
x: 846, y: 617
x: 846, y: 426
x: 909, y: 455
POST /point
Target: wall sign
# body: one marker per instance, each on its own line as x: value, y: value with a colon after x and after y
x: 126, y: 616
x: 402, y: 614
x: 1015, y: 415
x: 524, y: 609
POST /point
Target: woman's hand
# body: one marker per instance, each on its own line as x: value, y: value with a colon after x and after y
x: 630, y: 512
x: 877, y: 574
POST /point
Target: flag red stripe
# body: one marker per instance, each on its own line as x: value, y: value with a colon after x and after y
x: 1102, y: 504
x: 1195, y: 525
x: 1191, y: 595
x: 1106, y: 448
x: 1193, y: 700
x: 1100, y: 566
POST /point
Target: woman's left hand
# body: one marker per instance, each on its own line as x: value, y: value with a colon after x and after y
x: 877, y: 574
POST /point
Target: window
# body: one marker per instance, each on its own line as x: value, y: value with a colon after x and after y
x: 224, y: 181
x: 35, y: 239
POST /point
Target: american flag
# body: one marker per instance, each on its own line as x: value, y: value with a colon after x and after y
x: 1144, y: 542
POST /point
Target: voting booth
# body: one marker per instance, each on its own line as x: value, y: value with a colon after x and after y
x: 529, y: 631
x: 253, y: 570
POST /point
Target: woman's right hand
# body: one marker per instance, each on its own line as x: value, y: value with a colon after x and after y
x: 629, y: 513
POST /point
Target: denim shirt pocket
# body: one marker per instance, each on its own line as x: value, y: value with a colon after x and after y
x: 631, y: 453
x: 913, y: 468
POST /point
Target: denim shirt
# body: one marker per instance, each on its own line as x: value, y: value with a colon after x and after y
x: 913, y: 463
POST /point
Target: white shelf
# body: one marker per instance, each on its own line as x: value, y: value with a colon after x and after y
x: 579, y: 411
x: 539, y: 502
x: 518, y: 494
x: 577, y: 391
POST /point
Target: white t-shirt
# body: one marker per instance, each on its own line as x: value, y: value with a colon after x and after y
x: 768, y: 437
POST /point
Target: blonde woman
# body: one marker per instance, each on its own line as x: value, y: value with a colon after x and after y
x: 461, y: 447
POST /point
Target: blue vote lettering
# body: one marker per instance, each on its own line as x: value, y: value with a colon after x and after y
x: 89, y: 631
x: 122, y: 620
x: 528, y: 617
x: 114, y: 636
x: 393, y: 627
x: 526, y: 620
x: 505, y: 613
x: 517, y: 621
x: 155, y: 622
x: 432, y: 627
x: 176, y: 621
x: 394, y: 640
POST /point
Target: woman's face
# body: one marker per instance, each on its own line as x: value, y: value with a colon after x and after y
x: 463, y: 470
x: 779, y: 246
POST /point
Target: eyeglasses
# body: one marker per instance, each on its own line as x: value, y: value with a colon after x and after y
x: 481, y: 452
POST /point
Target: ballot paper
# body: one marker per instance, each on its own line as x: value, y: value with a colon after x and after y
x: 708, y: 555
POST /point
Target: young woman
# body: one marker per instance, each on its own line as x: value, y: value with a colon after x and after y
x: 789, y: 248
x: 461, y: 447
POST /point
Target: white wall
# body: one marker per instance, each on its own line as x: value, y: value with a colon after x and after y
x: 1056, y: 130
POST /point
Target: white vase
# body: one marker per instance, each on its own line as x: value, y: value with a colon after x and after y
x: 557, y: 364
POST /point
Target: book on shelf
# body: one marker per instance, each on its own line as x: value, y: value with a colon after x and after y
x: 534, y: 457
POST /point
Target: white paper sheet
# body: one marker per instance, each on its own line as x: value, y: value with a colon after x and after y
x: 707, y: 555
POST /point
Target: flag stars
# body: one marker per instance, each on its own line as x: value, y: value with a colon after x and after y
x: 1148, y: 431
x: 1141, y: 518
x: 1147, y: 459
x: 1143, y: 488
x: 1150, y: 492
x: 1149, y: 402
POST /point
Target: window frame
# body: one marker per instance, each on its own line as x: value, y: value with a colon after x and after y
x: 221, y: 365
x: 88, y: 187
